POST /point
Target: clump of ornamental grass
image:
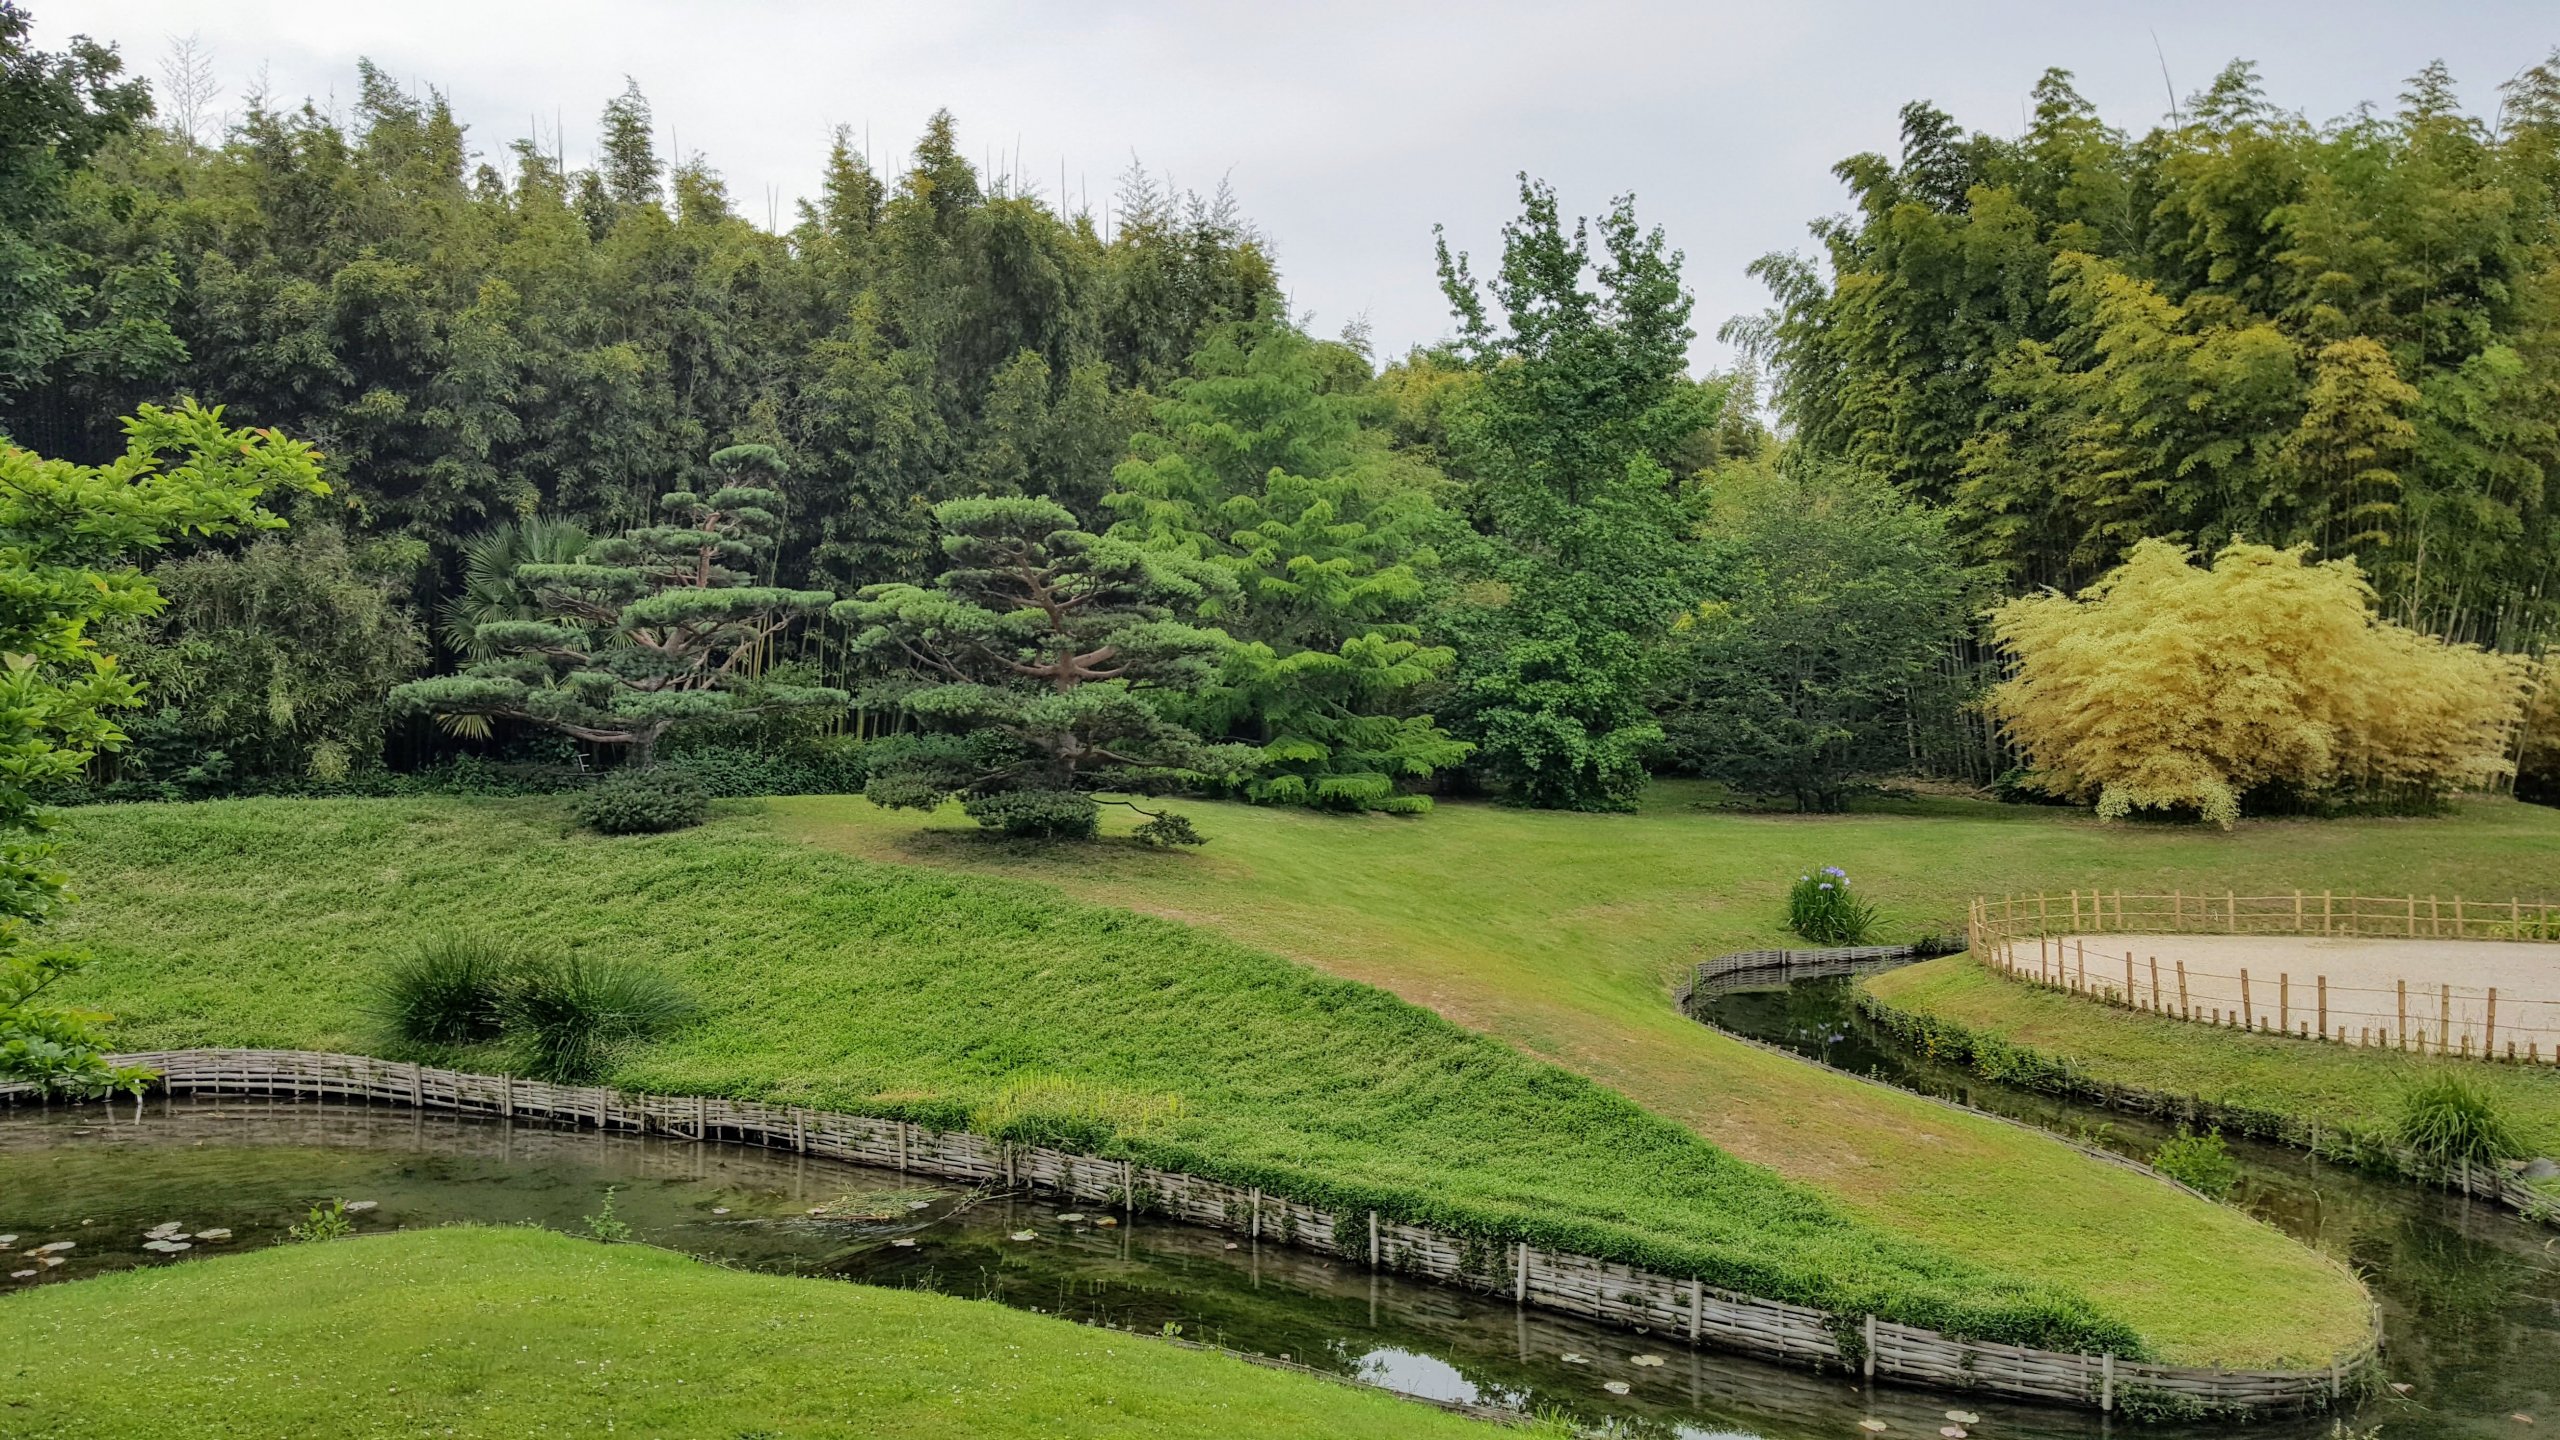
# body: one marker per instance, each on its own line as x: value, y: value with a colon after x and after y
x: 446, y: 991
x: 2452, y: 1121
x: 566, y: 1013
x: 1821, y: 909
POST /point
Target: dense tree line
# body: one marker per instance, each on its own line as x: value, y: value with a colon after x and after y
x: 2240, y: 324
x: 952, y: 491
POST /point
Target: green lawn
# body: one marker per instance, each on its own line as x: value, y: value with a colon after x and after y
x: 487, y: 1332
x: 1564, y: 935
x: 2296, y: 1082
x: 956, y: 999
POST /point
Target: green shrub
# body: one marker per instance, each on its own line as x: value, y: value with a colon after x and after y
x: 566, y: 1014
x: 445, y: 992
x: 834, y: 766
x: 1037, y: 814
x: 2450, y: 1120
x: 1821, y: 909
x: 643, y: 802
x: 2203, y: 1162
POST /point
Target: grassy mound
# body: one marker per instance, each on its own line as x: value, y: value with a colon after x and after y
x: 1563, y: 935
x: 2270, y: 1085
x: 963, y: 1001
x: 486, y: 1332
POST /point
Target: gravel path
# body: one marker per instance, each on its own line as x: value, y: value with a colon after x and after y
x: 2363, y: 975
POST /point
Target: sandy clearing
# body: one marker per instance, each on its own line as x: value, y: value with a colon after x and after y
x: 2447, y: 983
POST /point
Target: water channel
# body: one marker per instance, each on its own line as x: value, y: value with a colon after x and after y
x: 2472, y: 1296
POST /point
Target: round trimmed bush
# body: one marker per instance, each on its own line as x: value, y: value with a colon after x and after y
x: 643, y: 802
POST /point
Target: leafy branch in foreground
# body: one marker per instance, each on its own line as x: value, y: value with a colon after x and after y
x: 69, y: 535
x: 644, y: 632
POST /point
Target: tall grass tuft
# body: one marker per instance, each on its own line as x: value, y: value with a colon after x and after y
x: 446, y: 991
x: 568, y: 1013
x: 2450, y: 1120
x: 1821, y: 909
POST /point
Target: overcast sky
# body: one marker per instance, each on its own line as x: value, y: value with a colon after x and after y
x: 1348, y: 129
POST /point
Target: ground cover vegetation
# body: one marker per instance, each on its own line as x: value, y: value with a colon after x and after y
x: 491, y: 1331
x: 2358, y: 1098
x: 991, y: 1005
x: 1564, y: 936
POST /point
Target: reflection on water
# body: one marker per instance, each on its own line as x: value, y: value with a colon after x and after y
x: 253, y: 1167
x: 2470, y: 1294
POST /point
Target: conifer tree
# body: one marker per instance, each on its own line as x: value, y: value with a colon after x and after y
x: 647, y: 631
x: 1044, y: 649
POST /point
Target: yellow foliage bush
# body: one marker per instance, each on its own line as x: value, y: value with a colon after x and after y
x: 2538, y: 755
x: 2168, y: 685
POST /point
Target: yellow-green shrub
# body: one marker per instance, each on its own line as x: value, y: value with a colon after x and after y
x: 2170, y: 685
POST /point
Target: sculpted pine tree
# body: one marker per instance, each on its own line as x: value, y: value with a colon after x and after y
x: 646, y: 631
x: 1045, y: 649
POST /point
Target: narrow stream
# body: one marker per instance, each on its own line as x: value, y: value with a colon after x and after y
x: 2470, y: 1293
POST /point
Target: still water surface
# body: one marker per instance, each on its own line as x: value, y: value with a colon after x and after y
x: 2472, y: 1296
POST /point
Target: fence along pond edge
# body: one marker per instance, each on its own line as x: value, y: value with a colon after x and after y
x: 1571, y: 1284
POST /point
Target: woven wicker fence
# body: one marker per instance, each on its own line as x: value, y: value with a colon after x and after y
x: 1572, y: 1284
x: 2064, y: 942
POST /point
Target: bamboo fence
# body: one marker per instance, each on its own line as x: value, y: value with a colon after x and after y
x: 1571, y: 1284
x: 2058, y: 941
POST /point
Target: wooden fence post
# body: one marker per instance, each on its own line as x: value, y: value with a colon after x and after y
x: 1697, y: 1309
x: 1870, y: 1365
x: 2284, y: 1001
x: 2248, y: 1010
x: 2401, y: 987
x: 2155, y: 980
x: 2297, y: 912
x: 1520, y: 1285
x: 2130, y: 999
x: 2183, y: 1012
x: 2326, y: 907
x: 2491, y: 1042
x: 2107, y: 1387
x: 2324, y: 1005
x: 1373, y: 1239
x: 2444, y: 1016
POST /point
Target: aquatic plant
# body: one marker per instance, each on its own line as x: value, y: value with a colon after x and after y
x: 2201, y: 1162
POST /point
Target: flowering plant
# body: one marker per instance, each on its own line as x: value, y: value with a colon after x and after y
x: 1821, y: 909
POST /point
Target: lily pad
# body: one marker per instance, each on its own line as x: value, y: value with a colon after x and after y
x: 1647, y: 1359
x: 1873, y: 1427
x: 20, y: 1274
x: 358, y: 1207
x: 1072, y: 1218
x: 1953, y: 1432
x: 1571, y: 1358
x: 1616, y: 1387
x: 217, y: 1233
x: 1963, y: 1417
x: 1024, y: 1235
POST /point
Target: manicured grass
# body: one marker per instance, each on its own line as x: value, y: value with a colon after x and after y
x: 488, y: 1332
x: 2296, y: 1082
x: 961, y: 1000
x: 1564, y: 935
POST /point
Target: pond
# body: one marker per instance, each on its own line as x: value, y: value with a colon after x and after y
x: 2470, y: 1293
x: 2472, y: 1297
